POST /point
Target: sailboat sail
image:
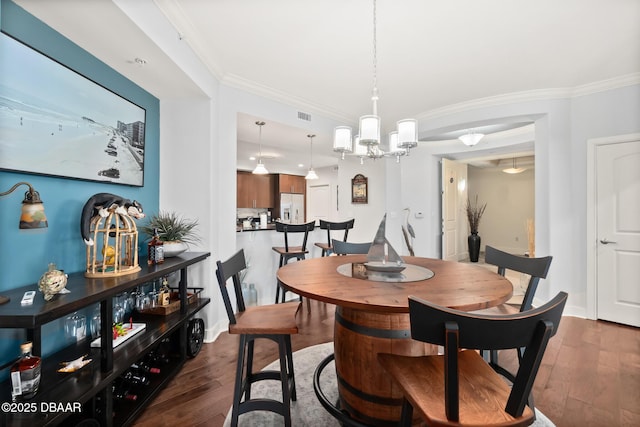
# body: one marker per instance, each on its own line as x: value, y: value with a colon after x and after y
x: 381, y: 250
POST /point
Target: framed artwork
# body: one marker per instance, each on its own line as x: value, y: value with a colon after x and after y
x: 55, y: 121
x: 359, y: 191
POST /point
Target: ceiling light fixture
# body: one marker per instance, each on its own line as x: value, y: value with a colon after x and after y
x: 471, y: 138
x: 513, y: 169
x: 311, y: 174
x: 260, y: 169
x: 369, y: 129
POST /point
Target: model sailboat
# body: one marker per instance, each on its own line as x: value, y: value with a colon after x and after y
x: 381, y: 255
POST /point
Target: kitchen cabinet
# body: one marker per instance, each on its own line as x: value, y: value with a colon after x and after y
x: 291, y: 184
x: 255, y: 191
x: 91, y: 387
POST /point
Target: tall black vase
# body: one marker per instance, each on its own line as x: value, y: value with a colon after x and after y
x: 474, y: 246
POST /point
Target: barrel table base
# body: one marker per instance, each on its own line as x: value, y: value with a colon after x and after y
x: 367, y: 393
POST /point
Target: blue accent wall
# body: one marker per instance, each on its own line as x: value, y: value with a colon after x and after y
x: 25, y: 254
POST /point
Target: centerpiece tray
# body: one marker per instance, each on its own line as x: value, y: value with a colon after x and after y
x: 384, y: 267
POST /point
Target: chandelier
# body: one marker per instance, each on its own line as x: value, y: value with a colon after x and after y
x: 367, y: 143
x: 260, y: 169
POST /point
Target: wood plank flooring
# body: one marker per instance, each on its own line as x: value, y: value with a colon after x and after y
x: 590, y: 375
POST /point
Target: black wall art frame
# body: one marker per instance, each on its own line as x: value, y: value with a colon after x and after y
x: 55, y: 121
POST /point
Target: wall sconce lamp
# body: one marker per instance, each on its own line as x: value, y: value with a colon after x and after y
x: 33, y: 215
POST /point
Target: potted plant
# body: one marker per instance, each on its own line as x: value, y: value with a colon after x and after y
x: 474, y: 213
x: 174, y: 230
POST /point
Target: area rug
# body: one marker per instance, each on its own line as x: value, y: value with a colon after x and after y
x: 307, y: 410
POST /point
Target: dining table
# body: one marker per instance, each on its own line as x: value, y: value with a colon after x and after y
x: 372, y: 316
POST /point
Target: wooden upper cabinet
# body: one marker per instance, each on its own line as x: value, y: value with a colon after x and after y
x: 255, y: 191
x: 291, y: 184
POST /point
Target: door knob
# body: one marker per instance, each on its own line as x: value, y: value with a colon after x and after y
x: 606, y: 242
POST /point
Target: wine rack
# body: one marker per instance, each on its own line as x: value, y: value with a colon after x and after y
x: 164, y: 340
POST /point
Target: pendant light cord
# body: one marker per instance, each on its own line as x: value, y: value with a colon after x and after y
x: 260, y: 124
x: 374, y: 95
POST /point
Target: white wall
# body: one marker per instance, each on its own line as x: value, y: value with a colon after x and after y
x: 367, y: 216
x: 510, y: 202
x: 186, y: 179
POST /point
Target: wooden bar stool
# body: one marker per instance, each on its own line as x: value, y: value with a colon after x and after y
x: 273, y: 322
x: 288, y: 252
x: 329, y: 226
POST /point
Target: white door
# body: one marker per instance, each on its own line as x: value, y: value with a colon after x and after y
x: 454, y: 195
x: 318, y: 202
x: 618, y: 232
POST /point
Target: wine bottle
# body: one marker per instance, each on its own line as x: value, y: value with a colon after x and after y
x: 25, y: 374
x: 120, y: 392
x: 164, y: 296
x: 145, y: 368
x: 135, y: 378
x: 155, y: 249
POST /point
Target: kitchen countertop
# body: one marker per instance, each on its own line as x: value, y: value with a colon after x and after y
x: 271, y: 226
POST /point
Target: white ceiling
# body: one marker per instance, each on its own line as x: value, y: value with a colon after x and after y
x: 317, y: 55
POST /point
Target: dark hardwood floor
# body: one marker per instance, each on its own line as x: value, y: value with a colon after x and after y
x: 590, y: 375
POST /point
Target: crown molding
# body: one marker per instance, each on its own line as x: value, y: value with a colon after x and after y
x: 251, y: 86
x: 533, y: 95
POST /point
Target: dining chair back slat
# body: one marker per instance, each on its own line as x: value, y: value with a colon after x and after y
x: 349, y: 248
x: 537, y: 268
x: 453, y: 388
x: 288, y: 252
x: 334, y: 226
x: 231, y: 268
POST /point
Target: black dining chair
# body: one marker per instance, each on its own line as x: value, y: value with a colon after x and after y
x: 536, y: 268
x: 288, y: 252
x: 459, y: 388
x: 349, y: 248
x: 272, y: 322
x: 333, y: 226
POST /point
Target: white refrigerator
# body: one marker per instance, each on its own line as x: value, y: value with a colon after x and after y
x: 292, y: 208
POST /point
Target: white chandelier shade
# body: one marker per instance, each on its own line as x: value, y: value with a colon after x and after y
x: 342, y: 140
x: 370, y: 130
x: 407, y: 133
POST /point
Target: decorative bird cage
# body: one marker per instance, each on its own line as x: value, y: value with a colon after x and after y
x: 115, y: 248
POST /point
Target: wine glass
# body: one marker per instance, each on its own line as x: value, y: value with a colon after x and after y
x: 75, y: 327
x: 118, y: 309
x: 96, y: 322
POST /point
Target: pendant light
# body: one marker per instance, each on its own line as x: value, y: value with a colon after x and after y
x: 311, y: 174
x: 260, y: 169
x: 405, y: 138
x: 513, y: 169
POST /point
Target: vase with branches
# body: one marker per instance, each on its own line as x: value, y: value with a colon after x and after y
x: 474, y: 214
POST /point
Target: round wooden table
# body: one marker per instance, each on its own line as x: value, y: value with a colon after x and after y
x: 372, y: 317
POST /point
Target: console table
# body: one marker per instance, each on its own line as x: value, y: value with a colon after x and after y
x: 91, y: 386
